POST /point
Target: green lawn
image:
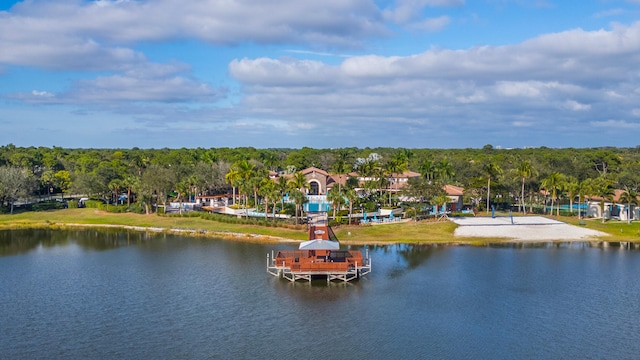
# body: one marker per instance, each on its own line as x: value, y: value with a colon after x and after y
x: 410, y: 232
x: 93, y: 216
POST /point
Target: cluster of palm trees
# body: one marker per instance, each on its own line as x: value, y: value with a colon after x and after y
x: 558, y: 185
x: 248, y: 180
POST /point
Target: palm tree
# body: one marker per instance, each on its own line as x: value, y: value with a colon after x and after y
x: 336, y: 199
x: 245, y: 169
x: 602, y: 187
x: 114, y: 186
x: 239, y: 173
x: 270, y: 160
x: 340, y: 166
x: 299, y: 181
x: 244, y: 189
x: 233, y: 177
x: 444, y: 171
x: 524, y: 171
x: 629, y: 196
x: 268, y: 191
x: 299, y: 198
x: 195, y: 182
x: 396, y: 166
x: 572, y: 187
x: 491, y: 170
x: 48, y: 178
x: 351, y: 196
x: 553, y: 184
x: 256, y: 180
x: 441, y: 199
x: 427, y: 169
x: 282, y: 186
x: 130, y: 182
x: 182, y: 188
x: 585, y: 190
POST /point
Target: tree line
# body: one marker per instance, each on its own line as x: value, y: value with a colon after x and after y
x: 150, y: 177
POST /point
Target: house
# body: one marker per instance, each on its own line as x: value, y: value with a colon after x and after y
x: 317, y: 179
x: 455, y: 193
x: 613, y: 209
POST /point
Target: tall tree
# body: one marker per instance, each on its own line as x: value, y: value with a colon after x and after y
x: 299, y: 198
x: 553, y: 184
x: 299, y: 181
x: 114, y: 186
x: 629, y: 196
x: 130, y: 182
x: 182, y: 190
x: 491, y: 170
x: 603, y: 188
x: 15, y: 182
x: 233, y: 177
x: 585, y: 190
x: 336, y: 199
x: 341, y: 166
x: 524, y: 171
x: 571, y: 186
x: 268, y: 192
x: 48, y: 179
x: 444, y: 171
x: 395, y: 167
x: 351, y: 196
x: 282, y: 186
x: 62, y: 180
x: 427, y: 169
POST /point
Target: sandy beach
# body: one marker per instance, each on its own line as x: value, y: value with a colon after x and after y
x: 523, y: 228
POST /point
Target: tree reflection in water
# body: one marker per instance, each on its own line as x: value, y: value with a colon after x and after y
x: 15, y: 242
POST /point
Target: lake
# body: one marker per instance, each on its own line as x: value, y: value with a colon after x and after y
x: 128, y: 295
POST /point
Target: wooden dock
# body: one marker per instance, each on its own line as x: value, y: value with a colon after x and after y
x: 319, y: 258
x: 340, y: 265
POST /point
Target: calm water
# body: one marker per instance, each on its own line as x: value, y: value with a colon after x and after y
x: 115, y: 295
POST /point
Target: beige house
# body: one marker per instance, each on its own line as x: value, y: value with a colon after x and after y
x: 613, y: 209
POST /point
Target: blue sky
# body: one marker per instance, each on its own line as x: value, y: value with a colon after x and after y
x: 320, y: 73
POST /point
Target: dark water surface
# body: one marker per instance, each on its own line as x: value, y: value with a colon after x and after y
x: 119, y: 295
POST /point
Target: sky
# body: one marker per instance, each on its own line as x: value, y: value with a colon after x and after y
x: 320, y: 73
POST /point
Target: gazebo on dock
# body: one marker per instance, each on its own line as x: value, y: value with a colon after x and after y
x: 319, y: 257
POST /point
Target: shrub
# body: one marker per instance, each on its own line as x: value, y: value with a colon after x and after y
x: 47, y: 205
x: 93, y: 204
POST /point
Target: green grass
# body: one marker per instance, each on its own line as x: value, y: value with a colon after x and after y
x: 56, y: 218
x: 618, y: 230
x: 410, y: 232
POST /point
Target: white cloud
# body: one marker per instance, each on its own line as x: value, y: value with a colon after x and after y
x: 42, y: 93
x: 432, y: 24
x: 149, y: 83
x: 576, y: 106
x: 610, y: 12
x: 94, y: 35
x: 285, y: 72
x: 616, y: 124
x: 536, y: 84
x: 410, y: 13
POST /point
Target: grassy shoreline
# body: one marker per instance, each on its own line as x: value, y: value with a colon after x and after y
x: 412, y: 232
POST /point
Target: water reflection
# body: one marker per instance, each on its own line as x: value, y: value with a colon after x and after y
x: 15, y: 242
x: 317, y: 289
x: 166, y: 296
x: 566, y: 244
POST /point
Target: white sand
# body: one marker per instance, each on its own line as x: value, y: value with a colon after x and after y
x: 523, y: 228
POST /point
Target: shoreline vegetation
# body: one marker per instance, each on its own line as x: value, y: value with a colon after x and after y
x: 425, y: 232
